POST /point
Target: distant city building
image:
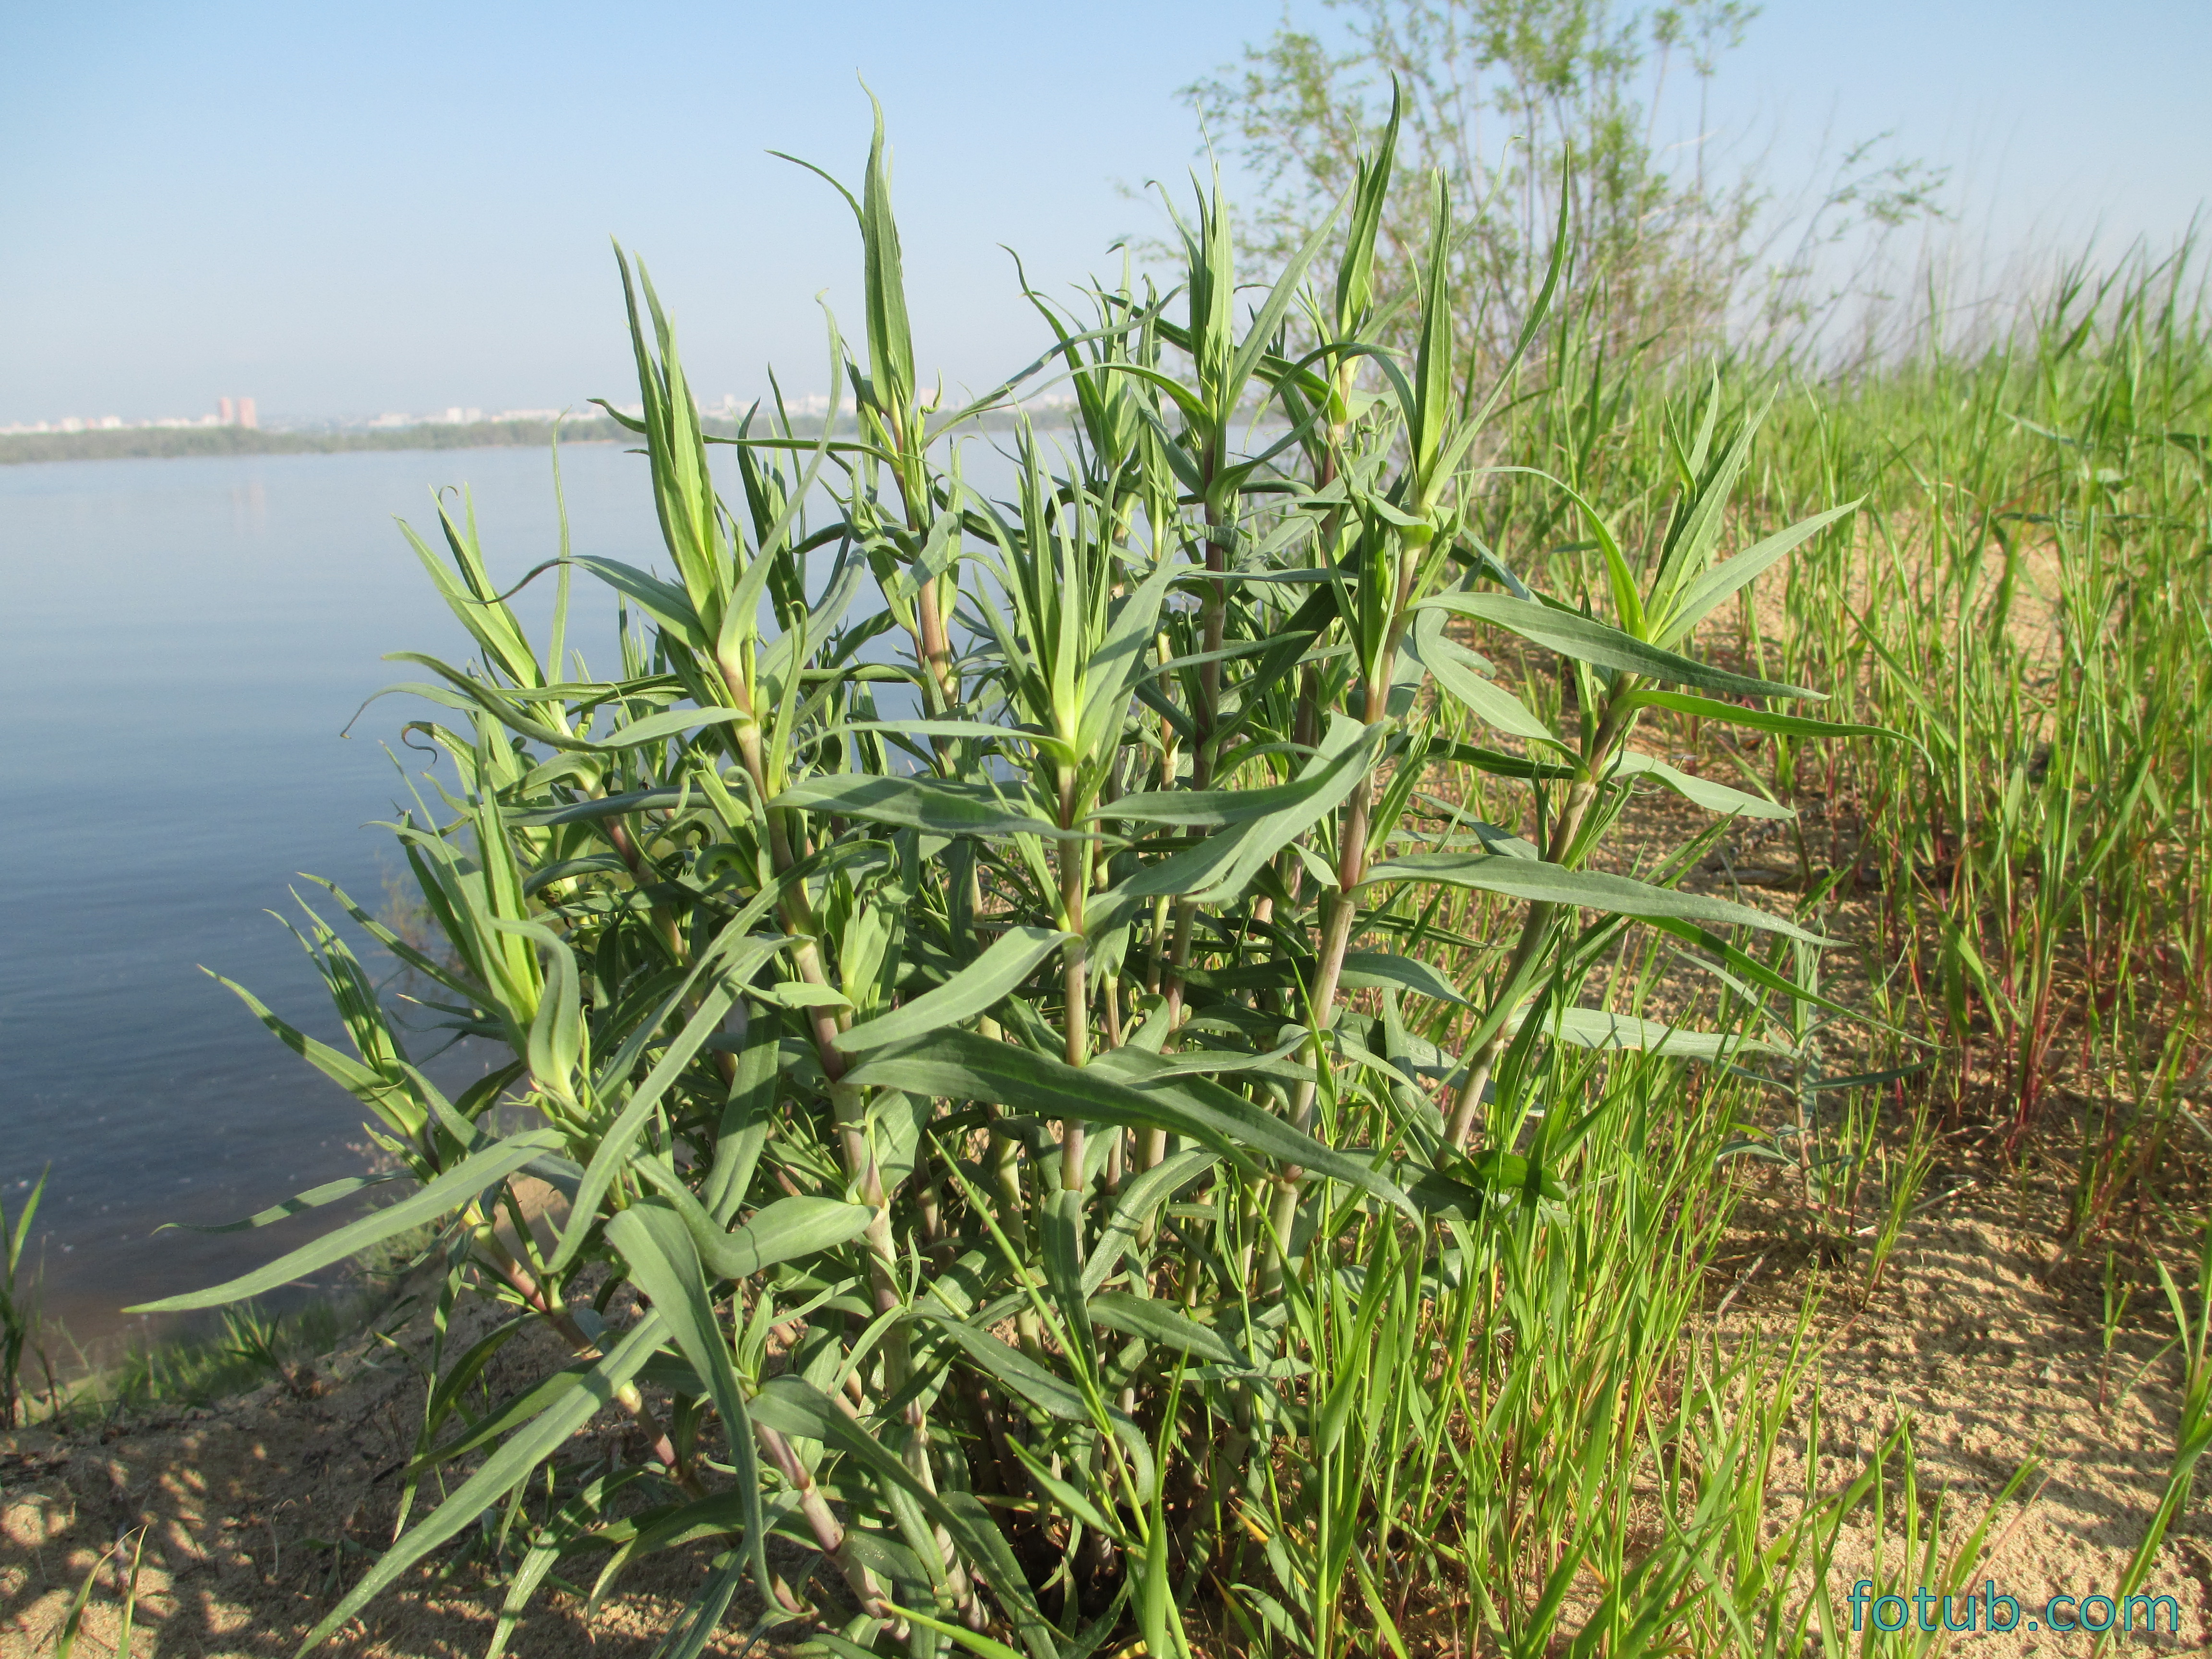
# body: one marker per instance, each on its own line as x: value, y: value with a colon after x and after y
x: 229, y: 411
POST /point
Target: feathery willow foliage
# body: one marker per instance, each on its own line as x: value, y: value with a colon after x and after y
x: 1019, y: 1138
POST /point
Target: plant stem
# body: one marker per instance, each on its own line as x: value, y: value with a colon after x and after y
x: 1074, y: 882
x: 1611, y: 732
x: 1339, y: 909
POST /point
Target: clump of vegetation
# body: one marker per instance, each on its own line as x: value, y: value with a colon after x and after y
x: 1081, y: 1105
x: 1190, y: 1051
x: 254, y: 1346
x: 1167, y: 1055
x: 19, y: 1305
x: 255, y: 1342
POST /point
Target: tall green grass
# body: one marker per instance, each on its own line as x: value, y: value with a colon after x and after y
x: 1117, y: 1072
x: 2024, y: 596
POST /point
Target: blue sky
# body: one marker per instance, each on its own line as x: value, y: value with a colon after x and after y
x: 345, y: 209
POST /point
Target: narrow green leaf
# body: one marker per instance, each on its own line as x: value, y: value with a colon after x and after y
x: 557, y: 1031
x: 1117, y: 1088
x: 1220, y: 868
x: 1044, y: 1388
x: 613, y: 1151
x: 664, y: 602
x: 988, y: 1647
x: 890, y: 347
x: 792, y: 1405
x: 1455, y: 670
x: 1587, y: 640
x: 464, y: 1182
x: 313, y: 1198
x: 1713, y: 797
x: 1355, y: 274
x: 1062, y: 1237
x: 788, y: 1230
x: 935, y: 807
x: 1435, y: 385
x: 1589, y: 889
x: 1376, y: 970
x: 606, y: 806
x: 977, y: 988
x: 700, y: 1621
x: 1206, y: 809
x: 1270, y: 313
x: 1746, y: 967
x: 1168, y: 1327
x: 1066, y: 1494
x: 502, y: 1472
x: 388, y: 1099
x: 1760, y: 719
x: 743, y: 1129
x: 1596, y: 1028
x: 1155, y: 1603
x: 1699, y: 528
x: 1138, y: 1199
x: 663, y: 1263
x: 1706, y: 593
x: 1110, y: 676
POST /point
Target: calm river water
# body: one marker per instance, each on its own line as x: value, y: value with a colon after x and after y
x: 181, y: 642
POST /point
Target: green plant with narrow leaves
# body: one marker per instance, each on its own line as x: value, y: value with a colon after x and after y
x: 2192, y: 1433
x: 72, y: 1626
x: 19, y: 1310
x: 1037, y: 1141
x: 2021, y: 595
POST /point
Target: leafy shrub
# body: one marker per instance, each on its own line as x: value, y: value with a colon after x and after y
x: 1041, y: 1145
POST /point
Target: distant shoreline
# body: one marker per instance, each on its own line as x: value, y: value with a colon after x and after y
x: 160, y: 442
x: 166, y: 442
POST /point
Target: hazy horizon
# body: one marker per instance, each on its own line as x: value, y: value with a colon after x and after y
x: 347, y: 213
